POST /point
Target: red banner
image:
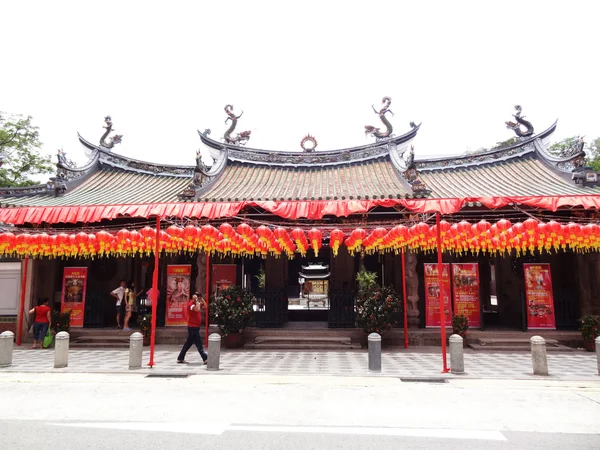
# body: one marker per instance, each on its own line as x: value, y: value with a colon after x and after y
x: 178, y: 294
x: 432, y: 295
x: 73, y: 293
x: 465, y: 291
x: 223, y: 276
x: 538, y: 294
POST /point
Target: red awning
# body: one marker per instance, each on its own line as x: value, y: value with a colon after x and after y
x: 315, y: 210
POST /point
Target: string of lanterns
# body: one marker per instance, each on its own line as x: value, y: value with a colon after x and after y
x: 462, y: 237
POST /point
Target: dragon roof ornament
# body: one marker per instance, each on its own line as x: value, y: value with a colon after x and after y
x: 240, y: 138
x: 520, y: 121
x: 107, y: 142
x: 377, y: 132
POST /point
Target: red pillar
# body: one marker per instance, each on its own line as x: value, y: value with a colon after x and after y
x: 207, y: 297
x: 22, y: 305
x: 442, y: 302
x: 154, y: 292
x: 404, y: 301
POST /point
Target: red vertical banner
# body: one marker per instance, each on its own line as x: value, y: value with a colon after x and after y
x: 433, y: 293
x: 73, y: 293
x: 539, y: 298
x: 223, y: 276
x: 465, y: 291
x: 178, y: 294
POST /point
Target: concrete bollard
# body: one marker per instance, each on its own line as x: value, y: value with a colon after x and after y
x: 6, y: 348
x: 61, y: 350
x: 214, y: 351
x: 136, y: 342
x: 374, y: 341
x: 457, y: 357
x: 597, y: 341
x: 538, y: 355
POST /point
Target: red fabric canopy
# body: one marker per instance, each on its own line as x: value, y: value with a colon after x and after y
x: 316, y: 209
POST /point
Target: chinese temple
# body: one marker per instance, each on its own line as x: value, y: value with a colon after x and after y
x: 375, y: 206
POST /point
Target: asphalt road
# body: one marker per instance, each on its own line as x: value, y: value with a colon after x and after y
x: 103, y: 411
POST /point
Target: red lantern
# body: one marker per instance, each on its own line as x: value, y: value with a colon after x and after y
x: 314, y: 237
x: 336, y: 237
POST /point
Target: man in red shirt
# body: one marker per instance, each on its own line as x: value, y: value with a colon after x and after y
x: 194, y: 308
x: 43, y: 319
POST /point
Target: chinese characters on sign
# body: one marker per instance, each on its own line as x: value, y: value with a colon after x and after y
x: 73, y: 294
x: 178, y: 294
x: 539, y: 298
x: 223, y: 277
x: 465, y: 284
x: 432, y: 295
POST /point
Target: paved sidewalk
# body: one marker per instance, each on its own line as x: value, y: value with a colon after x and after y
x: 415, y: 363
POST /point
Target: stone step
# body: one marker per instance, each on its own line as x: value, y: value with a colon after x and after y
x: 302, y: 343
x: 506, y: 341
x: 98, y: 345
x: 302, y: 346
x: 519, y: 348
x: 101, y: 339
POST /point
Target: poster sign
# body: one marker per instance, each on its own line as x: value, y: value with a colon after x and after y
x: 465, y: 286
x: 223, y: 276
x: 433, y: 293
x: 73, y: 293
x: 178, y: 294
x: 539, y: 298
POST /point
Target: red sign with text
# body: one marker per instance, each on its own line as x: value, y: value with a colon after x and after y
x: 538, y: 294
x: 178, y: 294
x: 73, y: 294
x: 465, y: 290
x: 223, y: 276
x: 433, y: 292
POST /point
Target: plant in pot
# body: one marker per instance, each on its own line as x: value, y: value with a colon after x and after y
x: 144, y: 321
x: 375, y: 305
x: 589, y: 325
x: 61, y: 321
x: 232, y: 312
x: 460, y: 325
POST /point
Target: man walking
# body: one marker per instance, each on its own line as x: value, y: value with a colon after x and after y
x: 194, y: 307
x: 119, y: 294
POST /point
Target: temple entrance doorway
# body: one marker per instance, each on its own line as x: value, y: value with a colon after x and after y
x: 308, y: 288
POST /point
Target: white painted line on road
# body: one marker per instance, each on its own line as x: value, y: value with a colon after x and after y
x: 190, y: 428
x: 377, y: 431
x: 218, y: 429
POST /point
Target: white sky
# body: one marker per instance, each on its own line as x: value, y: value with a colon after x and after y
x: 162, y: 70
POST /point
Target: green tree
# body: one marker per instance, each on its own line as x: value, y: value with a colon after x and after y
x: 593, y: 154
x: 562, y: 148
x: 20, y: 154
x: 568, y: 146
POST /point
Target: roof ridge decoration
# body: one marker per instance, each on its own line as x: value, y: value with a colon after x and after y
x: 204, y: 175
x: 374, y: 131
x: 240, y: 138
x: 111, y: 142
x: 520, y: 121
x: 404, y: 161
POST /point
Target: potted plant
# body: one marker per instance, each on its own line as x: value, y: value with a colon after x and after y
x: 145, y: 323
x: 232, y: 312
x: 589, y: 325
x: 61, y: 321
x: 460, y: 325
x: 375, y: 305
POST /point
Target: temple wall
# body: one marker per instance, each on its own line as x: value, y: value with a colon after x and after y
x: 588, y: 282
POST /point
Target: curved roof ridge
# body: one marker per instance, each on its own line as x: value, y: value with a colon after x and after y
x: 521, y: 148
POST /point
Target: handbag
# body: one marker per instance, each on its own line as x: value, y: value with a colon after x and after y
x: 48, y: 339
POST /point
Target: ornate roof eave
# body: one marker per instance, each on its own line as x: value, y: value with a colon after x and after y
x: 115, y: 160
x: 521, y: 148
x: 380, y: 148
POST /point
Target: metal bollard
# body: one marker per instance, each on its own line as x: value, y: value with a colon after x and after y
x: 374, y: 341
x: 6, y: 348
x: 214, y: 351
x: 538, y: 355
x: 597, y: 341
x: 61, y: 350
x: 136, y: 341
x: 457, y: 357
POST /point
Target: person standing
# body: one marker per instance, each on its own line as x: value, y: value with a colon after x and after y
x: 130, y: 296
x: 43, y: 320
x: 194, y: 308
x: 119, y: 294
